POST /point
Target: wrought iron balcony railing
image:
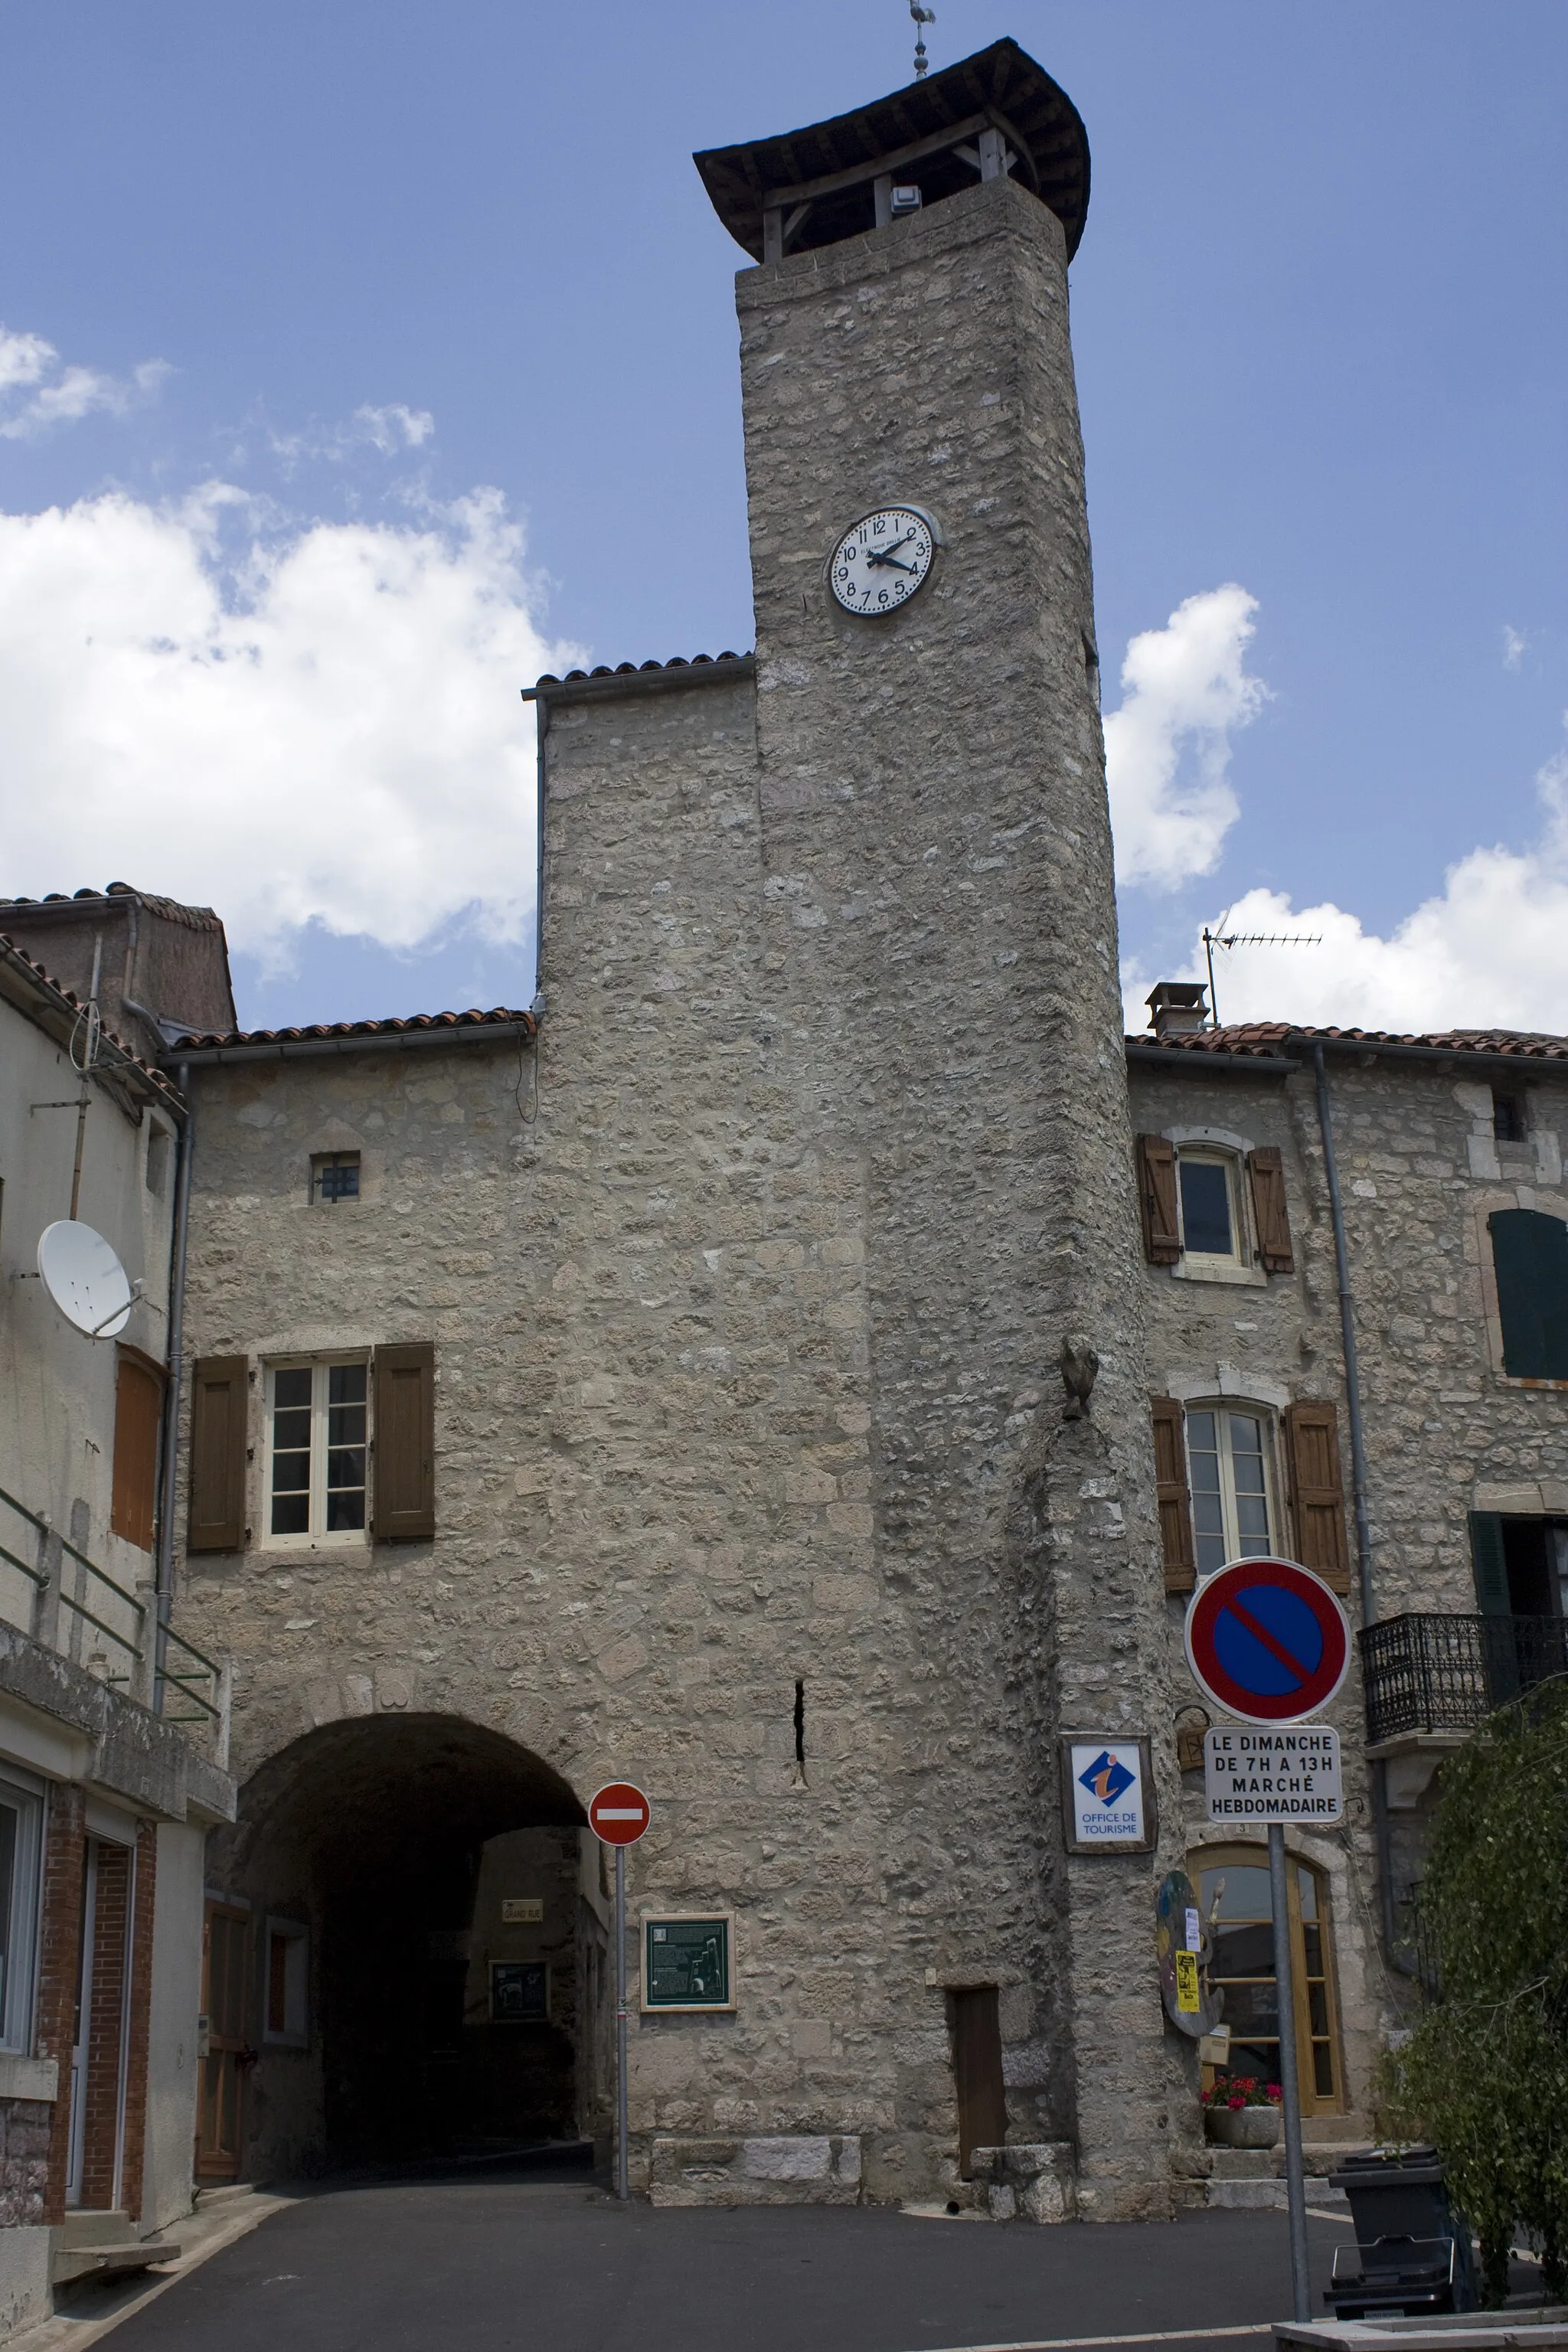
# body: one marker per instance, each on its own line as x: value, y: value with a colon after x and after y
x: 153, y: 1666
x: 1447, y: 1673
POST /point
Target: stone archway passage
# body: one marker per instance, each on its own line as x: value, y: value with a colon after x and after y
x: 423, y: 1945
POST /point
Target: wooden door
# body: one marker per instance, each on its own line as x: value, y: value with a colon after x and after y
x: 977, y: 2073
x: 221, y: 2094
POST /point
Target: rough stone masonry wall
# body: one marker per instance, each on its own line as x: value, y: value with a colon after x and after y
x: 939, y: 945
x: 1446, y: 1433
x: 1266, y: 1342
x: 747, y: 1315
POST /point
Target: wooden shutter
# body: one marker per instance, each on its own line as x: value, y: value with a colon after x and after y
x: 1529, y: 1257
x: 219, y: 1399
x: 1317, y: 1490
x: 405, y: 1437
x: 1270, y: 1214
x: 138, y: 1416
x: 1489, y: 1566
x: 1171, y: 1494
x: 1157, y: 1200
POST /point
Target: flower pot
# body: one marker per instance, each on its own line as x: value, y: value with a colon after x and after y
x: 1243, y: 2126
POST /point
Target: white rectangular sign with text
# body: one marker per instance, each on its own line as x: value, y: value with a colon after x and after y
x: 1251, y: 1774
x: 1110, y: 1807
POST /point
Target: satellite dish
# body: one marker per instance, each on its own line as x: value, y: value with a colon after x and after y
x: 84, y: 1278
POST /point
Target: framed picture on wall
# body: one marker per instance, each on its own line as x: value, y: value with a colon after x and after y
x: 688, y: 1960
x: 520, y: 1992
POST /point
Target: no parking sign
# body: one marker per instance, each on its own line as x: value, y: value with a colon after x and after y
x: 1268, y: 1640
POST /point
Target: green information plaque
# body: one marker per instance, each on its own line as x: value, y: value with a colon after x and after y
x: 686, y: 1960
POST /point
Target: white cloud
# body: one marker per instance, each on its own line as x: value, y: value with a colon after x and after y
x: 59, y: 395
x: 1515, y: 645
x: 328, y: 730
x: 395, y: 428
x: 1167, y: 750
x: 1489, y: 951
x: 389, y: 431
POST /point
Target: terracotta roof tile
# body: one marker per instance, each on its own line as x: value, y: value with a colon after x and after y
x: 417, y: 1022
x: 1270, y: 1037
x: 633, y: 670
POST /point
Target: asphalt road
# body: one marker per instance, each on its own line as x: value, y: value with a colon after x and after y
x: 532, y: 2266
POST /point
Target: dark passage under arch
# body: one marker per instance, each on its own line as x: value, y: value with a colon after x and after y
x: 446, y: 1995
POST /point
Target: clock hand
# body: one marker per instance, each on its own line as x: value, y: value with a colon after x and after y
x: 891, y: 561
x: 880, y: 554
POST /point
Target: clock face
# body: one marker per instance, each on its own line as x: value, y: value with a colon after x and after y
x: 882, y: 560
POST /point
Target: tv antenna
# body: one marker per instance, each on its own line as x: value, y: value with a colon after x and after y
x: 922, y: 17
x: 86, y: 1038
x: 1221, y: 938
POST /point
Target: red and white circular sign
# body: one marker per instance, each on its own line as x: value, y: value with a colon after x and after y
x: 619, y: 1813
x: 1268, y: 1640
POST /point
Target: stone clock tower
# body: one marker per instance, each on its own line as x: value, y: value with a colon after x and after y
x: 832, y: 1043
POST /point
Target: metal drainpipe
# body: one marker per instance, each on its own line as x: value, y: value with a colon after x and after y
x: 170, y: 1464
x: 541, y: 708
x: 1358, y: 1477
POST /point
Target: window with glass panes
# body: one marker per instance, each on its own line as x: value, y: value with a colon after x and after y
x: 1207, y: 1182
x: 316, y: 1455
x: 1229, y: 1474
x: 21, y: 1816
x: 1234, y: 1892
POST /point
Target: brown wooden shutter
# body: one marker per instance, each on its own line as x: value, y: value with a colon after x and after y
x: 1270, y: 1213
x: 404, y: 1436
x: 138, y: 1416
x: 219, y: 1399
x: 1171, y: 1494
x: 1317, y: 1491
x: 1157, y: 1199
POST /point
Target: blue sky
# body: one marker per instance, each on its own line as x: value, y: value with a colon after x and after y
x: 310, y: 279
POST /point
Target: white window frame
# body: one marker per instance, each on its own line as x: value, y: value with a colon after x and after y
x: 295, y: 2031
x: 317, y: 1536
x: 1230, y: 1153
x: 25, y: 1795
x: 1251, y: 1409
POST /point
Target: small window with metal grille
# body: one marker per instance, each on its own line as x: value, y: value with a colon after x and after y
x: 1510, y: 1123
x: 334, y: 1176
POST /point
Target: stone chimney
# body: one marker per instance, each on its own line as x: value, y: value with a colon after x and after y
x: 1175, y: 1005
x: 163, y: 968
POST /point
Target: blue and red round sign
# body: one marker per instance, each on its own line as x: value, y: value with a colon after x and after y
x: 1268, y: 1640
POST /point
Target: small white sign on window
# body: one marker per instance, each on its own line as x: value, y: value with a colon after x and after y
x: 1254, y: 1775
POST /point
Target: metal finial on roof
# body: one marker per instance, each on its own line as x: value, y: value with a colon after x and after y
x: 922, y: 17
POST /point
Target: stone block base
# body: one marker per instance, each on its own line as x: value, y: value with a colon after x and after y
x: 773, y: 2171
x: 1038, y: 2182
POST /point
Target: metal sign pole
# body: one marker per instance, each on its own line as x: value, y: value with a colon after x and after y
x: 623, y: 2188
x: 1285, y: 1993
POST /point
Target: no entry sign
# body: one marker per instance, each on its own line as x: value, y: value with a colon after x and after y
x: 1267, y: 1640
x: 619, y: 1814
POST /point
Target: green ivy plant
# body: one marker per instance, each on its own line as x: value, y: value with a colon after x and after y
x: 1484, y: 2071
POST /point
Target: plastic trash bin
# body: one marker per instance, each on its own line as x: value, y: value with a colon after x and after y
x: 1415, y: 2252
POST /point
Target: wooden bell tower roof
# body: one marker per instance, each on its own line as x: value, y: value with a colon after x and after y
x: 996, y: 111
